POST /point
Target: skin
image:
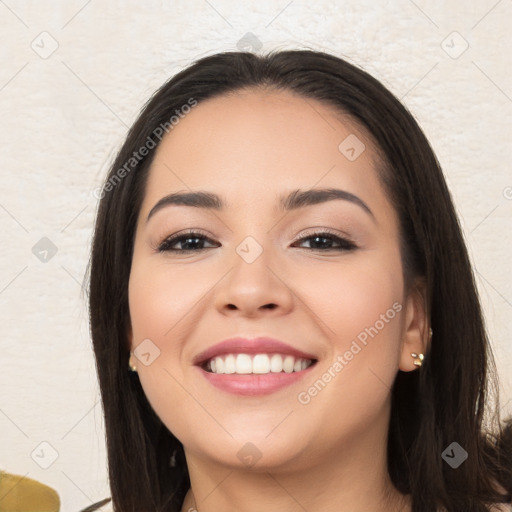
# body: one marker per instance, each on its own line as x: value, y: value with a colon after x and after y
x: 326, y: 455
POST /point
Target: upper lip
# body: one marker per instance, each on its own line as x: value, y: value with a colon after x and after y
x: 260, y: 345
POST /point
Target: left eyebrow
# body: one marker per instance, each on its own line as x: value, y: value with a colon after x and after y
x: 291, y: 201
x: 300, y: 198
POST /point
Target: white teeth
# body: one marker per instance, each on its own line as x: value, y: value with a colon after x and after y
x: 261, y: 364
x: 244, y: 364
x: 288, y: 364
x: 276, y: 363
x: 229, y: 364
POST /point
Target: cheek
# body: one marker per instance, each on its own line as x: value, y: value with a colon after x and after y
x: 159, y: 304
x: 360, y: 307
x: 361, y: 312
x: 159, y: 299
x: 351, y: 298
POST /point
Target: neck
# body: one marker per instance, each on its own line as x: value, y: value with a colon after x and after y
x: 350, y: 477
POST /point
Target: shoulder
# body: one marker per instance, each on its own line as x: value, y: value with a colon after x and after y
x: 497, y: 507
x: 501, y: 507
x: 100, y: 506
x: 106, y: 508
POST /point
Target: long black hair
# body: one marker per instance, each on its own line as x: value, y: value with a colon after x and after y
x: 453, y: 397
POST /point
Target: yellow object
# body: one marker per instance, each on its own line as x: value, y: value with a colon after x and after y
x: 22, y: 494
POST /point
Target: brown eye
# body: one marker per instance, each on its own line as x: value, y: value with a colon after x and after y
x: 326, y: 241
x: 190, y: 242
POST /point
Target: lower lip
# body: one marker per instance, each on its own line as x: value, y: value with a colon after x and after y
x: 254, y: 384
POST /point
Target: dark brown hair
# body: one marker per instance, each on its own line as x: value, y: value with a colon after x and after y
x: 453, y: 397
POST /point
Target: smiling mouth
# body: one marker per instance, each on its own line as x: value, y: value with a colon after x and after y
x: 258, y: 364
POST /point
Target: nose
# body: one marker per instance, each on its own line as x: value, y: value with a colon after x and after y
x: 254, y: 289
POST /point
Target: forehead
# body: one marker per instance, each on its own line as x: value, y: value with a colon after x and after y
x: 252, y: 142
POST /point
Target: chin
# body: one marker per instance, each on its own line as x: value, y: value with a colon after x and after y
x: 249, y: 450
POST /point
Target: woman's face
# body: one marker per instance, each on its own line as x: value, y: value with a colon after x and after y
x: 269, y: 270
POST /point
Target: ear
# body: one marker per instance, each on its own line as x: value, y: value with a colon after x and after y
x: 416, y: 326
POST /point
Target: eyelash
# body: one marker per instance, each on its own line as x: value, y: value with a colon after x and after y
x: 165, y: 246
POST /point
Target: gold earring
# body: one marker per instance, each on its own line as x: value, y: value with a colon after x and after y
x: 418, y: 358
x: 430, y: 333
x: 132, y: 367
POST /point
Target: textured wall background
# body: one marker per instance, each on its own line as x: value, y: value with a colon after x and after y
x: 73, y: 77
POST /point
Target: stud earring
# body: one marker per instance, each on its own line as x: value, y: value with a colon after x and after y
x: 430, y: 333
x: 418, y: 358
x: 132, y: 367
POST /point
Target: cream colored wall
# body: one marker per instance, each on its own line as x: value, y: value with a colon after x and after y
x: 73, y: 76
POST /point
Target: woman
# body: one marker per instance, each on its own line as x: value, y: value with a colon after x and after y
x: 282, y: 307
